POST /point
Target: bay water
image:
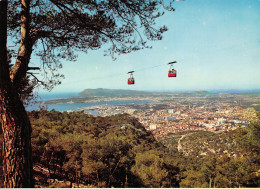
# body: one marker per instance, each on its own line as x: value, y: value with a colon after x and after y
x: 78, y: 106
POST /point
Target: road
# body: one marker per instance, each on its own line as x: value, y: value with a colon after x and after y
x: 179, y: 147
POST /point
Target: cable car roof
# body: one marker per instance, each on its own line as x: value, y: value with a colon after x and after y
x: 172, y: 62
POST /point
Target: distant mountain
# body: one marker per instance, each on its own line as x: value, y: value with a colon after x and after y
x: 245, y: 91
x: 201, y: 92
x: 95, y: 95
x: 111, y: 92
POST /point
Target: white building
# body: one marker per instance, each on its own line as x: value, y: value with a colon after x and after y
x: 153, y: 126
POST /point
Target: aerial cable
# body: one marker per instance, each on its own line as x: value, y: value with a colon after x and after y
x: 143, y: 69
x: 120, y: 74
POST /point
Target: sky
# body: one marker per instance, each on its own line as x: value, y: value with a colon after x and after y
x: 216, y: 45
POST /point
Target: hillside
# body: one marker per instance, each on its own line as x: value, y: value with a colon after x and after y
x: 224, y: 160
x: 79, y: 150
x: 115, y: 151
x: 203, y: 143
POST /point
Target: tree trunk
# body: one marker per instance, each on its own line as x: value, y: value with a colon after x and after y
x: 210, y: 182
x: 3, y: 39
x: 17, y: 162
x: 126, y: 186
x: 20, y: 68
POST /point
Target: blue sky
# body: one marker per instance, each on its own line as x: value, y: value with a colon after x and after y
x: 216, y: 44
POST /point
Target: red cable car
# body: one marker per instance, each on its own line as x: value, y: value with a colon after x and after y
x: 172, y: 72
x: 131, y: 79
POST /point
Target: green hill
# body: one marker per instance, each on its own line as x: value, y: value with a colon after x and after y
x: 114, y: 151
x: 80, y: 150
x: 201, y: 144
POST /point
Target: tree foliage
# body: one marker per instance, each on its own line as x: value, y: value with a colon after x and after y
x: 57, y: 30
x: 104, y: 151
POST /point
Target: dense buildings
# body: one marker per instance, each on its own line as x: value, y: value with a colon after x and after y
x: 170, y: 114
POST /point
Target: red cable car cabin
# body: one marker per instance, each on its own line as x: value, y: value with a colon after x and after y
x: 172, y: 73
x: 131, y: 81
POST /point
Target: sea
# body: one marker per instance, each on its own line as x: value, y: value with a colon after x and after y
x: 76, y: 106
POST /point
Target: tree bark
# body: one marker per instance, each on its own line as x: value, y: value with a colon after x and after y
x: 17, y: 159
x: 3, y: 40
x: 20, y: 68
x: 17, y: 162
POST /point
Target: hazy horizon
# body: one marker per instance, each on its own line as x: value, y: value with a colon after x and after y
x: 177, y: 91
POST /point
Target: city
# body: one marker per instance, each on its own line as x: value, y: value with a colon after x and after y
x: 171, y: 114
